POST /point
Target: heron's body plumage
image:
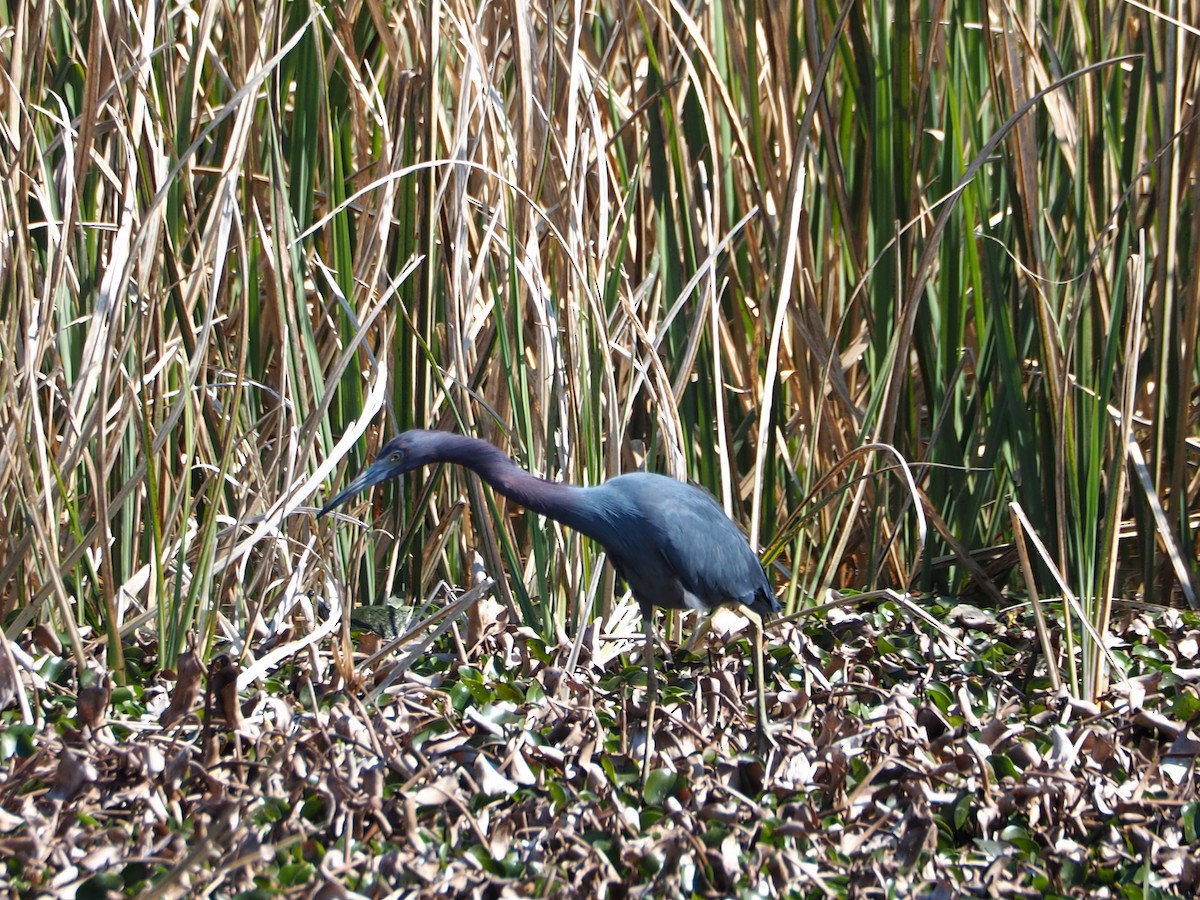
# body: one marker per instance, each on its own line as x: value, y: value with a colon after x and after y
x: 675, y: 546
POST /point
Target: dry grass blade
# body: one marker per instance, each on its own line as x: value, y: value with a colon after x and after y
x: 1071, y: 602
x: 444, y: 618
x: 1165, y: 533
x: 1043, y: 627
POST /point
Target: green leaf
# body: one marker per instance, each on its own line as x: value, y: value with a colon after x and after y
x: 1188, y: 814
x: 1186, y: 706
x: 962, y: 811
x: 460, y: 696
x: 17, y: 740
x: 1003, y: 766
x: 940, y: 695
x: 661, y: 784
x: 295, y: 874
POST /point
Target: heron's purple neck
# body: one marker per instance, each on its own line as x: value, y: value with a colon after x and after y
x: 573, y: 506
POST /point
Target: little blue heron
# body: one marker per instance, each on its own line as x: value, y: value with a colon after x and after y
x: 671, y: 542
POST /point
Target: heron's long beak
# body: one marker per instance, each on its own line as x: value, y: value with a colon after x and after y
x: 368, y: 477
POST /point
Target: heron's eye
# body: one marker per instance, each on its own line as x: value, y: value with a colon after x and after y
x: 395, y: 456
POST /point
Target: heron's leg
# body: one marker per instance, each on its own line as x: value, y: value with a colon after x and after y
x: 762, y: 726
x: 703, y: 626
x: 651, y: 691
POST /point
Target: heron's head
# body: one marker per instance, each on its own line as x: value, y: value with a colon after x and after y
x: 401, y: 454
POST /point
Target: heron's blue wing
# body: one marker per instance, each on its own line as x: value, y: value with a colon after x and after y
x: 702, y: 551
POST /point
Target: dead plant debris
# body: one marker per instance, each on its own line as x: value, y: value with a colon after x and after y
x: 910, y: 762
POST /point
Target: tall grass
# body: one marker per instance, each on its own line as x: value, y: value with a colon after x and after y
x: 729, y: 242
